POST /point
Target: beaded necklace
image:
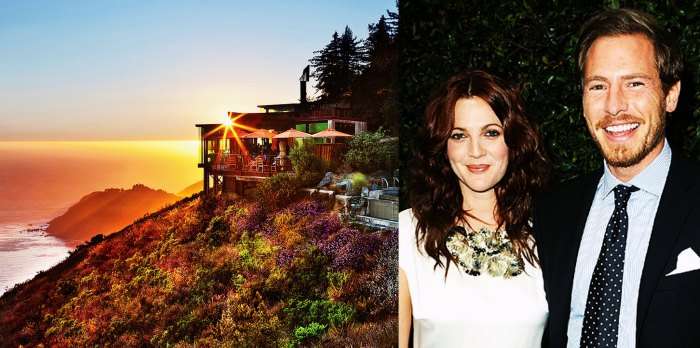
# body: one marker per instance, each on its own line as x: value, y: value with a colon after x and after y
x: 484, y: 251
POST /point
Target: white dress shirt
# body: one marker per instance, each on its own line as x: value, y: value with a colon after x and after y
x: 641, y: 210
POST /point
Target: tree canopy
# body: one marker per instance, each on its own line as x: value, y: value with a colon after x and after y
x: 337, y: 64
x: 363, y: 72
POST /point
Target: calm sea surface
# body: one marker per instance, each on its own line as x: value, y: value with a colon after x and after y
x: 25, y: 250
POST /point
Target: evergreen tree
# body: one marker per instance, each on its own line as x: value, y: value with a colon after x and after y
x: 393, y: 23
x: 337, y: 65
x: 374, y: 97
x: 325, y: 64
x: 363, y: 72
x: 379, y: 44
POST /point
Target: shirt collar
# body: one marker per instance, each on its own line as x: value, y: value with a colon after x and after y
x: 651, y: 179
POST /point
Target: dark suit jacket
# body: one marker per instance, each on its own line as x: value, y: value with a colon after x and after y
x: 668, y: 309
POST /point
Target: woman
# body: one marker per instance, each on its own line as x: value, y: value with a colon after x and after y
x: 468, y: 273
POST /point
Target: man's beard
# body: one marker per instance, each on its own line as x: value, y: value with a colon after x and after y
x: 623, y: 157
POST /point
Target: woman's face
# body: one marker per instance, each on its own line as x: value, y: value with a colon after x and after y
x: 476, y: 148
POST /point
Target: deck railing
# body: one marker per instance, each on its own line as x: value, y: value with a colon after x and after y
x: 235, y: 164
x: 239, y: 164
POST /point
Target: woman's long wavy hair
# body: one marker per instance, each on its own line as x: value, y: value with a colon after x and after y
x: 436, y: 198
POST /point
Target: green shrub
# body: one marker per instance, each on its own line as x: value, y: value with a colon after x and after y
x: 358, y: 180
x: 327, y: 312
x: 238, y: 280
x: 371, y: 151
x: 217, y: 232
x: 148, y: 275
x: 254, y: 251
x: 278, y: 190
x: 309, y: 268
x: 339, y: 313
x: 336, y: 281
x: 312, y: 330
x: 303, y: 158
x: 309, y: 179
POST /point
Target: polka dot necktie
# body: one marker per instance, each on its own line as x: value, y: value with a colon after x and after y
x: 602, y: 315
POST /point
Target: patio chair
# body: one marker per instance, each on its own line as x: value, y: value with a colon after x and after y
x: 260, y: 164
x: 252, y: 165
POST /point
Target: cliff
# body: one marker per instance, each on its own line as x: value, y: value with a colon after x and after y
x: 107, y: 211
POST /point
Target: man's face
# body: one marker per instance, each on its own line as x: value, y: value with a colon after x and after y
x: 623, y: 100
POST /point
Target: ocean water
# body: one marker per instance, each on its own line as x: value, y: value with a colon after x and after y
x: 25, y: 250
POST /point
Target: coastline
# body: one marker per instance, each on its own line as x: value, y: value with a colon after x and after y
x: 26, y: 249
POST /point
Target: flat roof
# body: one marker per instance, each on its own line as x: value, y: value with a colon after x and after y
x: 274, y: 106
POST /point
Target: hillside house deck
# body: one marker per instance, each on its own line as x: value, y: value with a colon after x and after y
x: 231, y: 163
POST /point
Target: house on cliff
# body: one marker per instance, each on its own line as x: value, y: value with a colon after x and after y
x: 250, y: 147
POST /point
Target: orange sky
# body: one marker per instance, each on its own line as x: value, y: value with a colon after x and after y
x: 37, y: 175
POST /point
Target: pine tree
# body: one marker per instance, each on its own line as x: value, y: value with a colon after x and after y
x: 325, y: 64
x: 337, y: 65
x: 374, y: 97
x: 393, y: 23
x: 379, y: 44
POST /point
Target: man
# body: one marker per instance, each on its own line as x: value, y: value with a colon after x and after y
x: 619, y: 248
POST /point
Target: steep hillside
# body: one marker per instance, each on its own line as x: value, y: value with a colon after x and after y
x: 192, y: 189
x: 211, y: 273
x: 107, y: 211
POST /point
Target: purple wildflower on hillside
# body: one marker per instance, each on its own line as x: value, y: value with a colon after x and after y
x: 349, y: 248
x: 309, y: 207
x: 383, y: 285
x: 250, y: 220
x: 322, y: 226
x: 285, y: 257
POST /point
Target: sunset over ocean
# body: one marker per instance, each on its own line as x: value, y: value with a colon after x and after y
x: 106, y: 95
x: 46, y: 177
x: 54, y: 174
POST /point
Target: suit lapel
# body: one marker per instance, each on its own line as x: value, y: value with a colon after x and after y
x: 672, y: 212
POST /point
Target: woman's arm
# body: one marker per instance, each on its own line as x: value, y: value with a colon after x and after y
x: 405, y: 314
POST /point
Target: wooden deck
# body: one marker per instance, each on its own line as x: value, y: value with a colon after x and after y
x: 239, y: 172
x: 236, y: 165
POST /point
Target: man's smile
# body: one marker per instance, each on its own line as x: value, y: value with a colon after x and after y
x: 621, y: 132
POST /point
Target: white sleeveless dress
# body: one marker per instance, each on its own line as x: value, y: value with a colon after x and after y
x: 469, y: 311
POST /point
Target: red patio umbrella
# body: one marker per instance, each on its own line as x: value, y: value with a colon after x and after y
x: 332, y: 134
x: 261, y: 133
x: 292, y: 133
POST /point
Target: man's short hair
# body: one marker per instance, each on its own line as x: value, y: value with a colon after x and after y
x: 625, y: 22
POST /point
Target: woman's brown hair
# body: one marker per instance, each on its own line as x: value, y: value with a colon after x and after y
x: 436, y: 199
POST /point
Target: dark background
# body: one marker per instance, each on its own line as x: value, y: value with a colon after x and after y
x: 532, y: 44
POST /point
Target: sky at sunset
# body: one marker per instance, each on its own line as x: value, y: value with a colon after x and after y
x: 150, y: 70
x: 43, y: 178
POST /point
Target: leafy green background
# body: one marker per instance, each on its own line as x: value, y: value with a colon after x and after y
x: 533, y: 44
